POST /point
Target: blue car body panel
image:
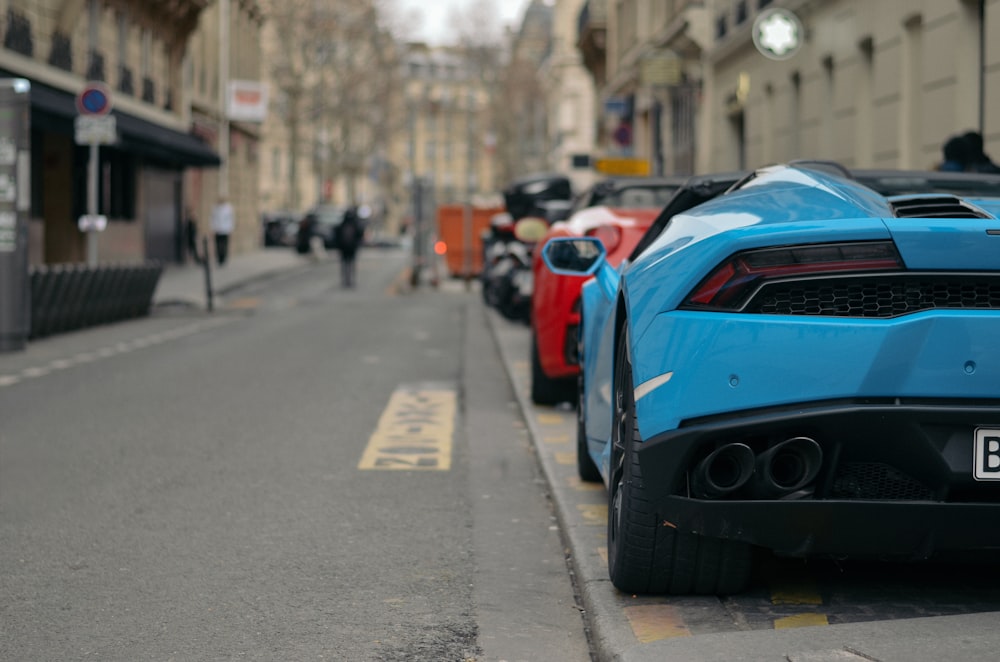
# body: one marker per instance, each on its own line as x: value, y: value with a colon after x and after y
x: 692, y: 364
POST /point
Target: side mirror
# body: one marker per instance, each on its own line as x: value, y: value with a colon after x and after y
x: 573, y: 256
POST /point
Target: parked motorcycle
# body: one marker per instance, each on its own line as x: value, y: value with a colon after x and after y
x: 532, y: 202
x: 510, y: 282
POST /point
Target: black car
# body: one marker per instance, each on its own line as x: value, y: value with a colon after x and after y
x: 280, y: 228
x: 319, y: 222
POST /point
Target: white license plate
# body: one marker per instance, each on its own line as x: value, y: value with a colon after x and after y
x: 986, y: 458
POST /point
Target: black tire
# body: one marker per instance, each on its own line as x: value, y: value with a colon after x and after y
x: 585, y: 466
x: 544, y: 390
x: 645, y: 555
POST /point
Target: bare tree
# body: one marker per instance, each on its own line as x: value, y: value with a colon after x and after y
x: 333, y: 66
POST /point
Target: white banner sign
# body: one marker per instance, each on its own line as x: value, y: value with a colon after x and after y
x: 247, y: 100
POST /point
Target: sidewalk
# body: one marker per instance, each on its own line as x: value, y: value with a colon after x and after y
x: 184, y: 284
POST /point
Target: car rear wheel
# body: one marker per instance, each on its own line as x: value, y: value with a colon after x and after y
x: 544, y: 390
x: 646, y: 552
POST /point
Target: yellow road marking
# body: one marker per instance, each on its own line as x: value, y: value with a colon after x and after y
x: 556, y: 439
x: 602, y: 551
x: 565, y: 458
x: 593, y: 513
x: 550, y: 419
x: 246, y: 303
x: 414, y: 432
x: 796, y: 590
x: 800, y: 621
x: 656, y: 622
x: 577, y: 484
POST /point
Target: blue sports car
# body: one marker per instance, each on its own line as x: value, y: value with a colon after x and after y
x: 801, y: 359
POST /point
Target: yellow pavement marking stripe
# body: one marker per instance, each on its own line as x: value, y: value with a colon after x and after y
x: 583, y: 486
x: 593, y: 513
x: 800, y: 621
x: 414, y: 432
x: 656, y: 622
x: 565, y: 458
x: 556, y: 439
x: 550, y: 419
x: 246, y: 303
x: 801, y: 591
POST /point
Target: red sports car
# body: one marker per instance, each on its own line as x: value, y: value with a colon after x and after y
x: 555, y: 303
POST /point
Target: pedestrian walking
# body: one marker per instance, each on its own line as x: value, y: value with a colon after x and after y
x: 349, y: 235
x: 978, y: 160
x: 222, y: 227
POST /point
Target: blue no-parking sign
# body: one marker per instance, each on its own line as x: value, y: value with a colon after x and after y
x: 94, y: 99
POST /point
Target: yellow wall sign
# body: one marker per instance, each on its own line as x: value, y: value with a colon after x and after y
x: 414, y: 432
x: 622, y: 166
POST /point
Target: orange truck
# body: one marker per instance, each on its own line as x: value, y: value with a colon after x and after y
x: 463, y: 253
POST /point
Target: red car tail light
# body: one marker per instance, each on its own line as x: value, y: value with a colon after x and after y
x: 732, y: 282
x: 609, y: 235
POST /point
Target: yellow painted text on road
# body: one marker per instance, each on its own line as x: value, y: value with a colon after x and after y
x: 414, y: 433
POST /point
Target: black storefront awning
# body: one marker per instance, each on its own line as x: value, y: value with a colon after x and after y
x: 54, y: 110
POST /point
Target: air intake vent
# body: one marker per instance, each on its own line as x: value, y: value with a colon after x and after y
x: 945, y: 206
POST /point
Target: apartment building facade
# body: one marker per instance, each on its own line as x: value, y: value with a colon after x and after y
x: 571, y: 107
x: 446, y: 128
x: 868, y: 84
x: 140, y: 52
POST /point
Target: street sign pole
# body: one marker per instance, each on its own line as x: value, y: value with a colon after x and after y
x: 94, y: 127
x: 92, y: 202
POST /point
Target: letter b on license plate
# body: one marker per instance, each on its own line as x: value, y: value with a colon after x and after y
x: 986, y: 463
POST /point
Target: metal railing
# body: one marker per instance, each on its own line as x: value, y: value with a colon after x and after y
x: 66, y: 297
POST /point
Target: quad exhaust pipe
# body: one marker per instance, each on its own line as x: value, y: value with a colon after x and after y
x: 726, y: 470
x: 782, y: 469
x: 786, y: 467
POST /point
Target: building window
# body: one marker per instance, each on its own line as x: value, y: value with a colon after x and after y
x: 720, y: 27
x: 116, y: 184
x: 18, y: 35
x: 95, y: 64
x: 61, y: 56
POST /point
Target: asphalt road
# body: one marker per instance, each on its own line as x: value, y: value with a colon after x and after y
x: 218, y: 486
x: 201, y: 486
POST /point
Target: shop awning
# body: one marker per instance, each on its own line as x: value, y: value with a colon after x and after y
x: 54, y: 110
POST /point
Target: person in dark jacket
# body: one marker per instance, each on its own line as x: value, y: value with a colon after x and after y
x: 978, y: 161
x: 349, y: 236
x: 956, y: 155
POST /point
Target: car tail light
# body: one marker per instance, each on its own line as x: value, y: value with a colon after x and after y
x: 609, y: 235
x: 735, y: 279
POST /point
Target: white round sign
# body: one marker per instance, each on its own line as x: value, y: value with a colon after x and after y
x: 777, y: 33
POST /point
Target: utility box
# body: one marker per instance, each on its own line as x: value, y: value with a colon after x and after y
x: 15, y: 206
x: 462, y: 237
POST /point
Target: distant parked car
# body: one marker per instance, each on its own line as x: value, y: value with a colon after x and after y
x: 618, y: 211
x: 280, y: 227
x: 319, y: 222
